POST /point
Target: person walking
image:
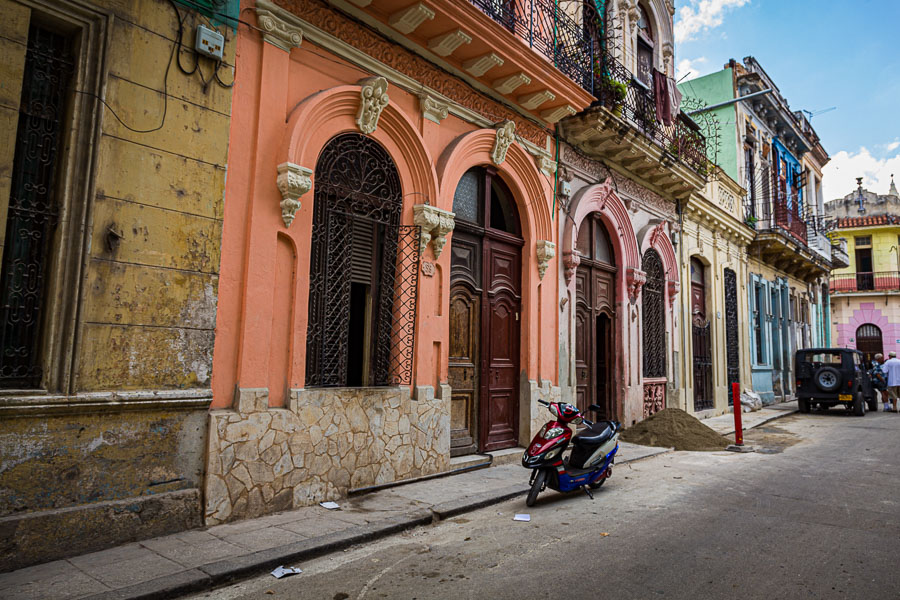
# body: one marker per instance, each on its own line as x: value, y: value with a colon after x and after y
x: 879, y: 381
x: 891, y: 369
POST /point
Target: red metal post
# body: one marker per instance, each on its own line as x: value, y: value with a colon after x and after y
x: 738, y: 426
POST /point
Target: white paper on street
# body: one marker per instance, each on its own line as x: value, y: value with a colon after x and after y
x: 330, y: 505
x: 282, y: 571
x: 522, y: 517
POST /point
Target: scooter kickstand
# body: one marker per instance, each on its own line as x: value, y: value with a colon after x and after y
x: 588, y: 492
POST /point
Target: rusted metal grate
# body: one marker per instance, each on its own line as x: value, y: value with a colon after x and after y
x: 731, y: 329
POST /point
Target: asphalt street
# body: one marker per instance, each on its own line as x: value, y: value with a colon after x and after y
x: 814, y: 514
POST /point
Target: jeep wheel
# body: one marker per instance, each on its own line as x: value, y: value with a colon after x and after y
x: 827, y: 379
x: 859, y: 407
x: 803, y: 404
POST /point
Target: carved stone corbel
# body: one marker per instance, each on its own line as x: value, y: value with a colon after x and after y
x: 293, y: 181
x: 674, y: 288
x: 635, y: 280
x: 373, y: 100
x: 545, y: 251
x: 506, y: 135
x: 277, y: 31
x: 433, y: 109
x: 436, y: 223
x: 571, y: 260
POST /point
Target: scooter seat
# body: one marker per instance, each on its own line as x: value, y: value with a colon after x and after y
x: 595, y: 434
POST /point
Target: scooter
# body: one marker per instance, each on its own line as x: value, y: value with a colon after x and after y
x: 590, y: 463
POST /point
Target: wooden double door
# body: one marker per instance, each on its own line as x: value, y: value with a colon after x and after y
x: 595, y: 346
x: 485, y: 306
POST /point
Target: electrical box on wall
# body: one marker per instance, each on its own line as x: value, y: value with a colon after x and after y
x: 209, y: 42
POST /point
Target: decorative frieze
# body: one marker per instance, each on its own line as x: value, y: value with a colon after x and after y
x: 433, y: 109
x: 278, y: 32
x: 408, y: 20
x: 447, y: 43
x: 510, y: 83
x: 373, y: 100
x: 534, y: 100
x: 506, y: 135
x: 545, y: 251
x: 436, y: 223
x: 654, y: 397
x: 480, y: 65
x: 293, y: 181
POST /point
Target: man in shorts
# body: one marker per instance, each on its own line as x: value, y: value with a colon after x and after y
x: 891, y: 369
x: 879, y: 381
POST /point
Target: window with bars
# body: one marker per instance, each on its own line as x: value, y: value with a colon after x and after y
x: 33, y: 207
x: 653, y: 315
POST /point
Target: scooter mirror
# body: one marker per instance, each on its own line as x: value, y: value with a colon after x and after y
x: 596, y: 408
x: 578, y: 420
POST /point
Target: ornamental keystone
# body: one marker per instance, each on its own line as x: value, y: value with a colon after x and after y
x: 545, y: 251
x: 293, y: 181
x: 373, y: 100
x: 506, y: 135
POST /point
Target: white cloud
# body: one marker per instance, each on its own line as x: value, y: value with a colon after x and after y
x: 701, y: 16
x: 686, y: 69
x: 892, y: 146
x: 839, y: 175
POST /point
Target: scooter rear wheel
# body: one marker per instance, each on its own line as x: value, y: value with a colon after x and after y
x: 597, y: 484
x: 536, y: 487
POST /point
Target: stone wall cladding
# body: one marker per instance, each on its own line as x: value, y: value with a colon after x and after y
x: 327, y: 441
x: 537, y: 414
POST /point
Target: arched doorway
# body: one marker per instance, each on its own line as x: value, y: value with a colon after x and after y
x: 868, y: 341
x: 702, y: 339
x: 485, y: 299
x: 594, y: 318
x: 355, y: 246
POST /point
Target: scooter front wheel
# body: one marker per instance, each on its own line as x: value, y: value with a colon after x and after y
x: 536, y: 486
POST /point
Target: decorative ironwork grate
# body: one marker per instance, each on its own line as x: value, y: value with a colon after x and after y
x: 357, y: 185
x: 33, y: 207
x: 654, y: 322
x: 703, y: 398
x: 731, y: 329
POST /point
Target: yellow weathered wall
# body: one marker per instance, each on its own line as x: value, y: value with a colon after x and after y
x: 884, y: 244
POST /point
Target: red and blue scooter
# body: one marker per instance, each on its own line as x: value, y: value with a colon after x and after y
x: 590, y: 463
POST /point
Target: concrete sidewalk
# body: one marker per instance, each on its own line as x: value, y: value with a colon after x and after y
x: 724, y: 424
x: 199, y: 559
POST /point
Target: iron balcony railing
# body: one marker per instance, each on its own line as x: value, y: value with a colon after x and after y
x: 876, y: 281
x: 777, y: 215
x: 549, y: 30
x: 570, y: 39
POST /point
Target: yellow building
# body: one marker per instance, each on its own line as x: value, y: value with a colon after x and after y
x: 113, y: 148
x: 865, y: 296
x: 713, y: 260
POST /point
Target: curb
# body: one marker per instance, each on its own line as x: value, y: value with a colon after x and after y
x: 226, y: 571
x: 784, y: 413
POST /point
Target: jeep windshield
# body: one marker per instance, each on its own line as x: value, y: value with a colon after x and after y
x: 821, y: 358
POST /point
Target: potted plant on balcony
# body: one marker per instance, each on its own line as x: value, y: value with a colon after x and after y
x: 612, y: 92
x: 750, y: 220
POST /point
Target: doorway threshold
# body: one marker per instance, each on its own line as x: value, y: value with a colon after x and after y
x: 507, y: 456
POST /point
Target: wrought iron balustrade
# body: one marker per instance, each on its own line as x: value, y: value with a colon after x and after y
x: 876, y: 281
x: 778, y: 215
x: 626, y: 96
x: 550, y: 30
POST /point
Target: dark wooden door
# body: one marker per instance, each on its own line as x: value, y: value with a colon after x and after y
x: 869, y: 341
x: 500, y: 344
x: 594, y: 359
x: 465, y: 341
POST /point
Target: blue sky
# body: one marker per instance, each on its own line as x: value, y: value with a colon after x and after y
x: 820, y: 54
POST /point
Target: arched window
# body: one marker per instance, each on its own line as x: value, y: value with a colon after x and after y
x: 496, y: 209
x: 593, y: 241
x: 357, y: 335
x: 653, y: 315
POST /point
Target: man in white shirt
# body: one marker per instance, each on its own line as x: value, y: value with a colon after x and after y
x: 891, y: 369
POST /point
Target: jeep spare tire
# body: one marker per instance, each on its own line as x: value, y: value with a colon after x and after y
x: 828, y: 379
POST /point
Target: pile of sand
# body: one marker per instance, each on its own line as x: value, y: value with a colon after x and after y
x: 674, y: 428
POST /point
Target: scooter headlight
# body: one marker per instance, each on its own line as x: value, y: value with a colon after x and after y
x: 553, y: 432
x: 553, y: 453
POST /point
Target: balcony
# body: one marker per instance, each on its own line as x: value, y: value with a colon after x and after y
x: 877, y: 281
x: 530, y: 54
x: 839, y: 257
x: 782, y: 239
x: 623, y: 126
